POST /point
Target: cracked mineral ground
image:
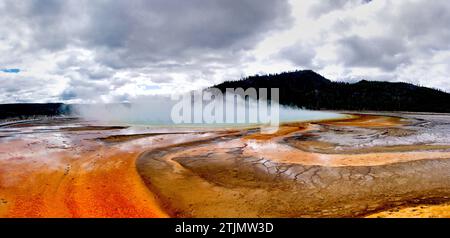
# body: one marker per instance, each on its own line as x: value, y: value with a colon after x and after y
x: 368, y: 165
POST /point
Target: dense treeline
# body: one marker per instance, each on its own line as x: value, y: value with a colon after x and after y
x: 310, y: 90
x: 30, y: 110
x: 305, y: 89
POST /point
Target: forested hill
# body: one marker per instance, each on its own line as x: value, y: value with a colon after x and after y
x: 312, y: 91
x: 30, y: 110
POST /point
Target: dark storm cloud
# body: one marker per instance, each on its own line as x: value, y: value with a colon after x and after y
x: 425, y: 25
x: 179, y: 25
x: 416, y: 31
x: 300, y: 54
x: 159, y: 30
x: 326, y: 6
x: 133, y: 33
x: 83, y: 50
x: 87, y: 89
x: 53, y: 23
x: 156, y: 36
x: 386, y: 53
x: 401, y: 40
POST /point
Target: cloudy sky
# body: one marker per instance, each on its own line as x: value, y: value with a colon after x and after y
x: 114, y: 51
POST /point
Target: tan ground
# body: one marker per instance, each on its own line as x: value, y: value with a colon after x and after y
x: 260, y: 175
x: 86, y: 181
x: 420, y: 211
x: 100, y: 171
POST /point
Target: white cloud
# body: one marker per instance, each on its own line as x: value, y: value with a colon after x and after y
x: 401, y: 40
x: 89, y: 51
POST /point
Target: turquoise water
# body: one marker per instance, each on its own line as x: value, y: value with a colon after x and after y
x: 159, y: 114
